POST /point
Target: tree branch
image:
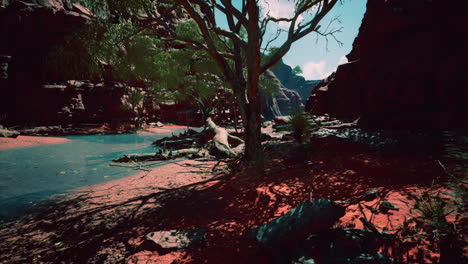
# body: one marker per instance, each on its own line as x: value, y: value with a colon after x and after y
x: 295, y: 34
x: 212, y: 50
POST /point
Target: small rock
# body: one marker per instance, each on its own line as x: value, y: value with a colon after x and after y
x: 177, y: 239
x: 386, y: 206
x: 370, y: 195
x: 281, y: 120
x: 304, y: 260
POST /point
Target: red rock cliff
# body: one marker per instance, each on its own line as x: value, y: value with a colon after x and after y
x: 406, y: 68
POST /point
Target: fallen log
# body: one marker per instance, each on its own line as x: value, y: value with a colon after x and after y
x: 162, y: 155
x: 177, y: 143
x: 298, y: 224
x: 171, y: 148
x: 136, y: 157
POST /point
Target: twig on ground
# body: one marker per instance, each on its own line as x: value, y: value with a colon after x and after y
x: 369, y: 225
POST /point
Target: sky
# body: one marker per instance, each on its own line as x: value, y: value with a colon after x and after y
x: 309, y: 53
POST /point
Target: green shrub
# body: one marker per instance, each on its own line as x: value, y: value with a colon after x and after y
x: 432, y: 208
x: 301, y: 125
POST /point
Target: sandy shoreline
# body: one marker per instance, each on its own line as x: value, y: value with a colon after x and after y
x: 172, y: 175
x: 29, y: 141
x: 163, y: 129
x: 108, y: 203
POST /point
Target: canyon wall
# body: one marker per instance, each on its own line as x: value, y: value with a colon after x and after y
x: 405, y: 69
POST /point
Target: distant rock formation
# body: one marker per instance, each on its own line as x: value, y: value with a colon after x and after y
x: 405, y: 70
x: 293, y: 81
x: 30, y: 28
x: 28, y: 31
x: 282, y: 103
x: 76, y: 102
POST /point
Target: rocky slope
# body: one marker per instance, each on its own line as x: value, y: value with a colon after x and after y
x: 405, y: 69
x: 293, y: 81
x: 285, y: 101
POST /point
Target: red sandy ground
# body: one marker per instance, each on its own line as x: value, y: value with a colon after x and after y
x: 164, y: 129
x: 107, y: 223
x: 29, y: 141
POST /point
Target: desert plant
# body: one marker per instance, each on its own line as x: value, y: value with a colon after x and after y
x: 431, y: 208
x: 301, y: 125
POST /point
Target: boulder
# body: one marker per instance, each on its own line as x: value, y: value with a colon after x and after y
x: 177, y: 239
x: 302, y: 221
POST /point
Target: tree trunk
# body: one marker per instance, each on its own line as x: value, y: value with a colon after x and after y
x: 253, y: 143
x: 250, y: 112
x: 252, y: 125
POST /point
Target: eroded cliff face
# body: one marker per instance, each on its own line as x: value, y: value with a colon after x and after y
x: 29, y: 29
x: 282, y: 103
x: 292, y: 81
x: 405, y: 69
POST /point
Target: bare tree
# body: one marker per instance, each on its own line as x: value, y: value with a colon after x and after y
x: 237, y: 49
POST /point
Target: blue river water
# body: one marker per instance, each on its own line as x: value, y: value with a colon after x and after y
x: 30, y: 175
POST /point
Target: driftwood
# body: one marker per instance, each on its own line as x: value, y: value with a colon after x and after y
x: 221, y: 139
x: 179, y: 143
x: 194, y: 146
x: 163, y: 155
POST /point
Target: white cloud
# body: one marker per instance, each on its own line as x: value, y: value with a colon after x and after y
x: 315, y: 70
x: 318, y: 70
x: 279, y: 9
x: 343, y: 60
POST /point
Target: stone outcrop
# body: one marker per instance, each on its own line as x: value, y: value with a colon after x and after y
x: 293, y: 81
x: 75, y: 102
x: 31, y: 96
x: 282, y: 103
x: 405, y: 69
x: 30, y: 28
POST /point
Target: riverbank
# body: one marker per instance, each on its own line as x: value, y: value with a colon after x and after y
x: 23, y: 141
x: 163, y: 129
x: 29, y: 141
x: 81, y: 221
x: 107, y: 223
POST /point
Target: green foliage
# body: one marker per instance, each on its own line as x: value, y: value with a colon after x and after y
x: 73, y: 58
x: 301, y: 126
x: 270, y: 87
x: 297, y: 70
x: 112, y: 8
x: 137, y: 57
